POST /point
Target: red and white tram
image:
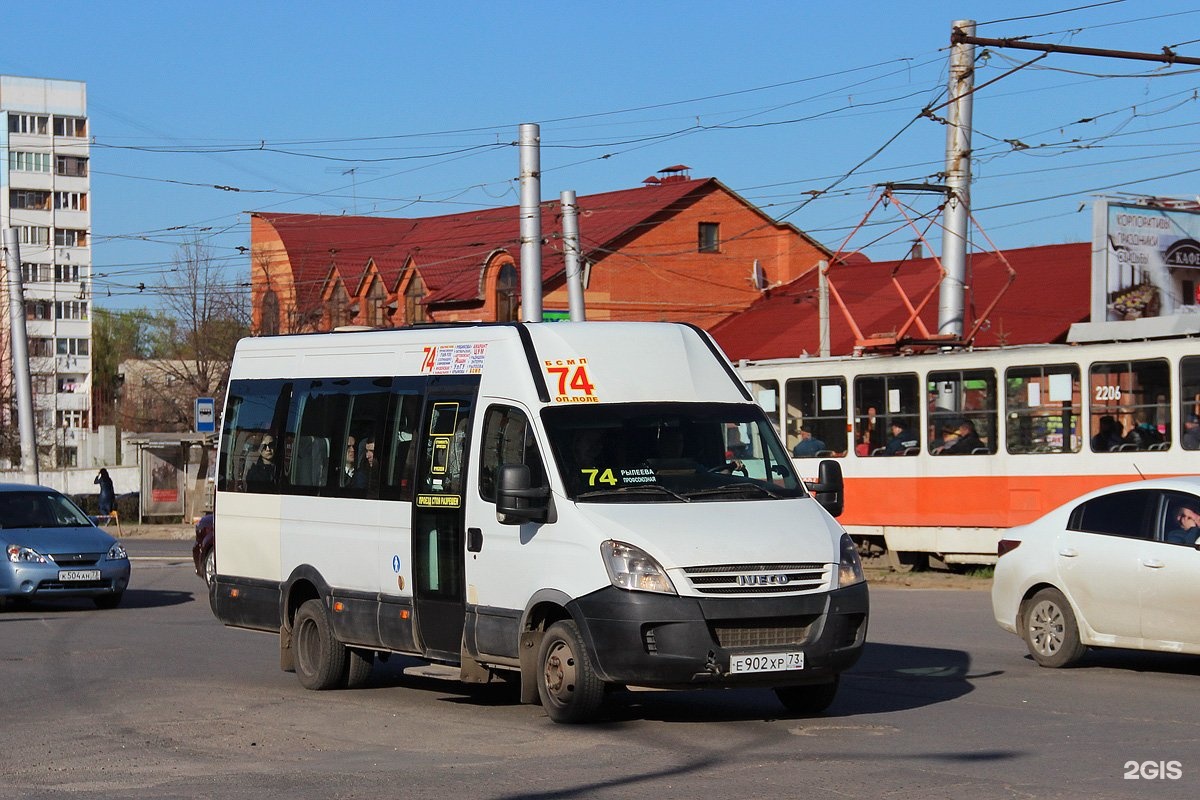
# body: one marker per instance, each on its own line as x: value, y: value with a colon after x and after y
x: 1053, y: 421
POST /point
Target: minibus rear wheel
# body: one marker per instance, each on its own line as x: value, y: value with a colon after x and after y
x: 568, y: 685
x: 321, y: 661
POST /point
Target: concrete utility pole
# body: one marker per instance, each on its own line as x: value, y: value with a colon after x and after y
x: 531, y: 223
x: 958, y: 183
x: 20, y: 356
x: 571, y: 256
x: 823, y: 307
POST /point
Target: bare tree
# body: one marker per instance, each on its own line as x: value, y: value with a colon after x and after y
x: 203, y: 316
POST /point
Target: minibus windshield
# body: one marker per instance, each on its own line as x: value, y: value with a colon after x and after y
x: 669, y: 452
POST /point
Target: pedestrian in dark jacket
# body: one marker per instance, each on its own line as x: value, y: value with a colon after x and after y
x: 108, y: 495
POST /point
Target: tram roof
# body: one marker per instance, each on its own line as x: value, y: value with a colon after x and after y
x: 1051, y: 292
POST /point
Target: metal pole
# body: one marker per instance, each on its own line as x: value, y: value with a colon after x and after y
x: 531, y: 223
x: 958, y: 183
x: 20, y: 357
x: 823, y: 306
x: 571, y: 259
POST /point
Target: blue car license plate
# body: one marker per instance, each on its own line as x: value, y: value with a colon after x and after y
x: 68, y: 575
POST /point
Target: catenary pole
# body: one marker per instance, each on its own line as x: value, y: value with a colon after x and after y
x: 571, y: 258
x: 531, y: 223
x: 20, y: 356
x: 958, y: 184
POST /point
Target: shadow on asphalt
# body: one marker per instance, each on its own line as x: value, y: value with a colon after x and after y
x: 887, y: 678
x: 134, y: 598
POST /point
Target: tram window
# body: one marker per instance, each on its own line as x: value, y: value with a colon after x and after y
x: 1189, y: 402
x: 766, y: 394
x: 1130, y: 405
x: 821, y: 404
x: 879, y: 401
x: 1042, y: 408
x: 958, y: 397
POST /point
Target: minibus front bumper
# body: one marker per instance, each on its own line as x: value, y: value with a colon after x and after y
x: 649, y: 639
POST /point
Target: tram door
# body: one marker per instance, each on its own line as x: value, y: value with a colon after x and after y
x: 438, y: 516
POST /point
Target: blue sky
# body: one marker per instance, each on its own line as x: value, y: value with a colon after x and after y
x: 406, y: 109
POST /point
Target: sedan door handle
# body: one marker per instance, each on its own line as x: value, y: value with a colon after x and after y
x: 1069, y: 552
x: 1153, y: 563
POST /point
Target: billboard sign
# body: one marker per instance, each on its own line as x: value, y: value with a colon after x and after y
x: 1145, y: 261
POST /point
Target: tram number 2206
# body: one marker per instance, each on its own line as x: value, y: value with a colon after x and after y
x: 1104, y: 393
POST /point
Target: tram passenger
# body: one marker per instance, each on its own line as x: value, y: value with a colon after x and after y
x: 1143, y: 433
x: 902, y: 439
x: 1191, y: 433
x: 966, y: 442
x: 1108, y: 437
x: 809, y: 445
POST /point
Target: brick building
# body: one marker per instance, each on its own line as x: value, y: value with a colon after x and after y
x: 675, y: 249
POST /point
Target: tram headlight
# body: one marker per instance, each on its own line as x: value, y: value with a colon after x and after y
x: 631, y: 567
x: 850, y: 569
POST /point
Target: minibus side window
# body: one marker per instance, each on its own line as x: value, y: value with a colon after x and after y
x: 251, y: 446
x: 507, y: 439
x: 400, y: 458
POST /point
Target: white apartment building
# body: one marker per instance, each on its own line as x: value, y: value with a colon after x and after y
x: 45, y: 195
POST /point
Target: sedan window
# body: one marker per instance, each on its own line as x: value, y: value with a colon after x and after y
x: 1127, y: 514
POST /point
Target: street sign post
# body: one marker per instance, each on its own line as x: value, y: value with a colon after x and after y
x: 206, y: 415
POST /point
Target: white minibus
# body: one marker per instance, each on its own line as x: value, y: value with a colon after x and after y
x: 577, y: 506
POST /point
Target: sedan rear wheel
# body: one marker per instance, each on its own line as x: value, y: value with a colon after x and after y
x: 1050, y: 631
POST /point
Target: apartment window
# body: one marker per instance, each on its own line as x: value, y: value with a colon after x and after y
x: 72, y: 347
x: 34, y: 273
x: 710, y: 237
x: 27, y: 198
x: 71, y: 166
x: 72, y: 418
x: 33, y: 234
x: 28, y: 123
x: 70, y: 126
x: 70, y: 237
x: 71, y: 309
x: 69, y: 385
x: 41, y: 347
x: 41, y: 383
x: 66, y: 273
x: 71, y: 201
x: 24, y: 161
x: 37, y: 309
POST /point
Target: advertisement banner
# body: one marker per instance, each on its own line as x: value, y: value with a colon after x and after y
x: 1150, y: 261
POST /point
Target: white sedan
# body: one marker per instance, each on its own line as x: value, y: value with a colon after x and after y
x: 1117, y: 567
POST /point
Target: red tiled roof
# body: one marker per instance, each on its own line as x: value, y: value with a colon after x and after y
x: 1051, y: 291
x: 450, y: 251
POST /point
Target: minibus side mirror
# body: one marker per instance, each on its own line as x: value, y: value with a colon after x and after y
x: 516, y: 500
x: 828, y: 487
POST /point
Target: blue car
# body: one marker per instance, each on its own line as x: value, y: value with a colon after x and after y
x: 51, y: 548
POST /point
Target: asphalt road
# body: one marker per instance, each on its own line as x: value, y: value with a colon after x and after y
x: 157, y: 700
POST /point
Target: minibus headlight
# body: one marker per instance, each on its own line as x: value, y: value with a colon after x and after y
x: 630, y: 567
x: 850, y: 570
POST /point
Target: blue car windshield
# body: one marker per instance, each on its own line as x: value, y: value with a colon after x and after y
x: 669, y: 452
x: 39, y: 510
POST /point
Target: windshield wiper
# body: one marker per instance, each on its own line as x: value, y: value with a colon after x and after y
x: 638, y: 488
x: 735, y: 487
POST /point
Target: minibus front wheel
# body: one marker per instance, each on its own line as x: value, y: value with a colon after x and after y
x: 569, y: 688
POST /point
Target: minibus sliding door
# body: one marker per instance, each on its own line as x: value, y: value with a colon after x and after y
x: 439, y: 510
